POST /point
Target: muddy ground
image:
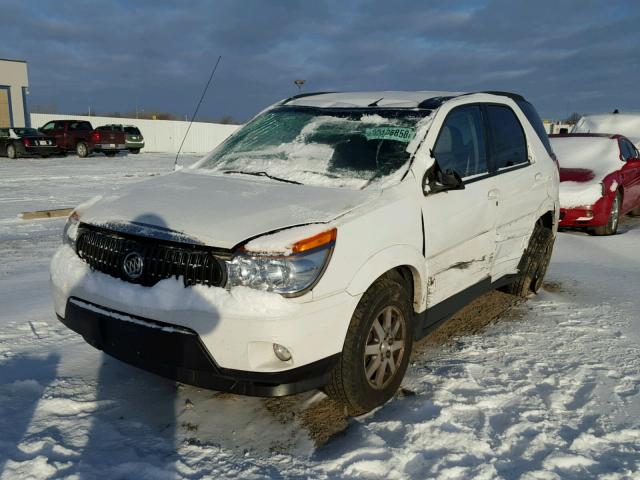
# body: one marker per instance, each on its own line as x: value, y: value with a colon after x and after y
x: 324, y: 418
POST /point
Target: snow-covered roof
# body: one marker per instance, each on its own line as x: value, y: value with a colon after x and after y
x: 393, y: 99
x: 627, y: 124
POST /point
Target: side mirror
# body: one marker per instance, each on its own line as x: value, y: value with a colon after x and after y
x: 439, y: 181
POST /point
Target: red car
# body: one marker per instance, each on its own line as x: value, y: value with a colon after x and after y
x: 599, y: 180
x: 79, y: 136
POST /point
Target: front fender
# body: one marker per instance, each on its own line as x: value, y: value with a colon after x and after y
x: 388, y: 259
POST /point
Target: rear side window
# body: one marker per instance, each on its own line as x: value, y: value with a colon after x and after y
x: 627, y: 149
x: 534, y: 119
x: 508, y: 143
x: 80, y: 126
x: 132, y: 130
x: 461, y: 142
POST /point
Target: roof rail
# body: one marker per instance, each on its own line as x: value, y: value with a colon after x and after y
x: 434, y: 102
x: 513, y: 96
x: 302, y: 95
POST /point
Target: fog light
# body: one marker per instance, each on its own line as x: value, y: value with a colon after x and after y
x: 281, y: 352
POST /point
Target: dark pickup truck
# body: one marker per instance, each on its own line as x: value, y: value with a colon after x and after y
x: 79, y: 136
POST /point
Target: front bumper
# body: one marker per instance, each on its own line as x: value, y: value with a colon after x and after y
x: 237, y: 328
x: 587, y: 216
x: 179, y: 354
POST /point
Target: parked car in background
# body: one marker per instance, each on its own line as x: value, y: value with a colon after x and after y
x: 79, y: 136
x: 134, y: 139
x: 26, y: 142
x: 600, y: 180
x: 627, y: 124
x: 316, y: 243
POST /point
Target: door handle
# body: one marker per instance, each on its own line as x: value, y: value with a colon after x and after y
x: 539, y: 178
x: 493, y: 194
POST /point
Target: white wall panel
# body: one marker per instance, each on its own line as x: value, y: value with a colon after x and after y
x: 159, y: 135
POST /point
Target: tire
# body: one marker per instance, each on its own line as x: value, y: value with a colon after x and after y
x: 12, y: 153
x: 534, y: 262
x: 110, y: 154
x: 44, y: 156
x: 134, y: 150
x: 82, y: 150
x: 614, y: 218
x: 385, y: 307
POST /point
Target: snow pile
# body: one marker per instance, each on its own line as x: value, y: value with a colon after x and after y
x: 601, y: 155
x: 627, y: 124
x: 70, y: 272
x: 282, y: 241
x: 551, y: 391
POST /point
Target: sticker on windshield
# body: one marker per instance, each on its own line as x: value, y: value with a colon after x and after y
x: 399, y: 134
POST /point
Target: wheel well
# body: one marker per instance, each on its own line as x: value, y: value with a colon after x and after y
x: 411, y: 280
x: 547, y: 220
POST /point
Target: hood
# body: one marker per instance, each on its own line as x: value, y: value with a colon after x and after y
x: 220, y: 211
x: 579, y: 175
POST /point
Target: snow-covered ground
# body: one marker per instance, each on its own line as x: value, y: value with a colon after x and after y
x: 551, y: 390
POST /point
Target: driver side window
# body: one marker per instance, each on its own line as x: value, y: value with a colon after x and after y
x: 461, y: 142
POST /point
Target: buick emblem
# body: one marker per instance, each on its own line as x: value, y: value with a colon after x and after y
x: 133, y: 265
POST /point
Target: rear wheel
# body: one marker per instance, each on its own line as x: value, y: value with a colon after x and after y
x: 614, y: 218
x: 534, y: 262
x: 135, y: 150
x: 12, y: 152
x: 377, y: 347
x: 110, y: 154
x: 82, y: 150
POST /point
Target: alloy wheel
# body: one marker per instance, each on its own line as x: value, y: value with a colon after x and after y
x: 615, y: 214
x: 385, y: 347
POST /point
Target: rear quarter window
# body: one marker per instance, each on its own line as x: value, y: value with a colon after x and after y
x: 507, y: 139
x: 534, y: 119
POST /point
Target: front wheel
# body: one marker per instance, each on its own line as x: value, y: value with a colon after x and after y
x: 12, y: 152
x: 614, y: 218
x: 82, y: 150
x: 533, y: 263
x: 377, y: 347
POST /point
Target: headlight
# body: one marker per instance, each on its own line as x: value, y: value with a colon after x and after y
x: 70, y: 232
x: 289, y: 274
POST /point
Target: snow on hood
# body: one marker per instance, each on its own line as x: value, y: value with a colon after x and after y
x: 219, y: 211
x: 627, y: 124
x: 594, y: 158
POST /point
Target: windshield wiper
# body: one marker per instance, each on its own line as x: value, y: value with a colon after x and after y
x: 263, y: 174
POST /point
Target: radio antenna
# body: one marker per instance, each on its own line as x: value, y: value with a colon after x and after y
x: 204, y: 92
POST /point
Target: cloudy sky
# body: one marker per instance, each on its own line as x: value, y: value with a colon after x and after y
x: 563, y: 55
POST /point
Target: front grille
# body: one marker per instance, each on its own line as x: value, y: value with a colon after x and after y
x: 107, y: 251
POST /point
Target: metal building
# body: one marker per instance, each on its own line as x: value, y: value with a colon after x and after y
x: 14, y: 88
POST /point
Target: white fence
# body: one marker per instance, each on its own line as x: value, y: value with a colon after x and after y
x: 159, y: 135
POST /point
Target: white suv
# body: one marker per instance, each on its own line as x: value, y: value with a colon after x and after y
x: 313, y: 246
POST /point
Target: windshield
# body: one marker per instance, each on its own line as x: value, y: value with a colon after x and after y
x: 319, y: 146
x: 25, y: 131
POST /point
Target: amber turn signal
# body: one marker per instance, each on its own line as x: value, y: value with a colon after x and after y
x: 315, y: 241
